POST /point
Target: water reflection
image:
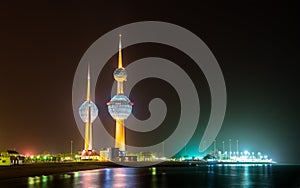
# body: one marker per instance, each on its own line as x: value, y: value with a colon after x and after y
x: 154, y: 177
x: 203, y: 176
x: 39, y: 181
x: 246, y: 178
x: 211, y: 176
x: 118, y: 177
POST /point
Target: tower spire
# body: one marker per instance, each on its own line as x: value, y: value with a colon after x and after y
x: 120, y: 65
x: 88, y: 93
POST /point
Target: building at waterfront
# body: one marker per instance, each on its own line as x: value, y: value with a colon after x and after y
x: 11, y: 157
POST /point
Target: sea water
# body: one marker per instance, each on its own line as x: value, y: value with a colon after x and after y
x: 195, y: 176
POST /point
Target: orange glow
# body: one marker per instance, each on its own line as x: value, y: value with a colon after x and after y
x: 120, y: 135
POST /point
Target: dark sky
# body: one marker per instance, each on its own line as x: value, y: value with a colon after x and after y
x: 255, y: 43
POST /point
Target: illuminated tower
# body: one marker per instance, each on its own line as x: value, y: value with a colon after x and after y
x: 88, y: 112
x: 120, y: 106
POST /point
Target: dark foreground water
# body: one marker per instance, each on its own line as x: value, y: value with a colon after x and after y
x: 201, y: 176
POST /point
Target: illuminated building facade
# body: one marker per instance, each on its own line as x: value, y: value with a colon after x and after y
x: 88, y: 112
x: 120, y: 106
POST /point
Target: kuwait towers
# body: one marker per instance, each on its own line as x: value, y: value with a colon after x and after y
x: 88, y: 112
x: 120, y: 106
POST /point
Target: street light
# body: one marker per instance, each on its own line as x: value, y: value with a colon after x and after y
x: 71, y: 148
x: 223, y: 147
x: 230, y: 147
x: 215, y: 150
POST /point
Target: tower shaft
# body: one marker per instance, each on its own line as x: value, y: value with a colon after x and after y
x: 120, y: 135
x: 88, y: 124
x: 120, y: 89
x: 88, y: 136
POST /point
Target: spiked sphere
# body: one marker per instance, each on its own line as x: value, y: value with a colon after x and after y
x: 84, y: 111
x: 119, y: 107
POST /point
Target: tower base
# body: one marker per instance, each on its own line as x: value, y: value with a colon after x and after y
x: 90, y: 155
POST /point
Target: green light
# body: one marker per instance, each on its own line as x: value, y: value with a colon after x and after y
x: 67, y: 176
x: 44, y: 179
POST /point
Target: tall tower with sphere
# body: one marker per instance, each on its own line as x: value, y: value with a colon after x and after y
x: 88, y: 112
x: 120, y: 106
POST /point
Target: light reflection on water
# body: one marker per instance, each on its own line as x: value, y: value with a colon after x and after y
x: 107, y: 178
x: 141, y: 177
x: 201, y: 176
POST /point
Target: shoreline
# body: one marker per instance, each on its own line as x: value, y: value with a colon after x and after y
x: 39, y: 169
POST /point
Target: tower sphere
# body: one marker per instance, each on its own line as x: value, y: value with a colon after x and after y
x: 84, y: 111
x: 120, y: 74
x: 120, y: 107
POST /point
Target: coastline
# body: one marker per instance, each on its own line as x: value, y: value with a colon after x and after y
x: 39, y: 169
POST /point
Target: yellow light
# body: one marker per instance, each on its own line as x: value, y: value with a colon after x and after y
x: 87, y: 136
x: 120, y: 135
x: 30, y: 180
x: 153, y: 171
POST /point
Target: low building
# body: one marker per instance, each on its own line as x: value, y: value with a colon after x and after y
x: 11, y: 157
x: 4, y: 161
x: 113, y: 154
x: 104, y: 154
x: 128, y: 158
x: 90, y: 155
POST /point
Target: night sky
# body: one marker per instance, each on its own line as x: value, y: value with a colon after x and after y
x: 256, y: 45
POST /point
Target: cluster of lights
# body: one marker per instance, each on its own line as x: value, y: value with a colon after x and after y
x: 245, y: 156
